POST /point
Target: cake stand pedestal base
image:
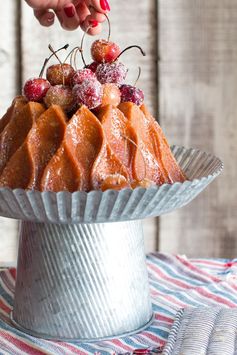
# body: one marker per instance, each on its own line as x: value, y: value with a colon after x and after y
x: 82, y: 282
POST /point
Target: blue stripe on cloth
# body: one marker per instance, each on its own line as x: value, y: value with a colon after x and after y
x: 8, y: 298
x: 165, y: 307
x: 171, y: 272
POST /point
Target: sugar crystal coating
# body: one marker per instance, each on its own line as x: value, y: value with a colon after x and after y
x: 35, y: 89
x: 114, y: 73
x: 60, y: 74
x: 81, y: 75
x: 130, y: 93
x: 88, y: 93
x: 60, y: 95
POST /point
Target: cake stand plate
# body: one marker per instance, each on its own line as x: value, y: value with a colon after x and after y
x: 81, y: 271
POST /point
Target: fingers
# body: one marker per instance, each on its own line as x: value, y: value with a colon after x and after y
x: 91, y: 27
x: 82, y: 11
x: 100, y: 5
x: 45, y: 17
x: 68, y: 17
x: 72, y: 13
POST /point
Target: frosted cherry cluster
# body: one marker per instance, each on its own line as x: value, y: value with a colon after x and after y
x: 98, y: 84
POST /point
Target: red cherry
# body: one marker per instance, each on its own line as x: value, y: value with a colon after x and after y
x: 88, y: 93
x: 60, y: 95
x: 35, y: 89
x: 103, y: 51
x: 81, y: 75
x: 111, y: 73
x: 60, y: 74
x: 93, y: 66
x: 130, y: 93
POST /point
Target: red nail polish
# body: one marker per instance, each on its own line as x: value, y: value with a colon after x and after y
x: 107, y: 4
x: 69, y: 11
x: 104, y: 5
x: 93, y: 23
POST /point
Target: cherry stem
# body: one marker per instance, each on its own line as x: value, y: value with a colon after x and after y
x: 126, y: 49
x: 107, y: 17
x: 82, y: 44
x: 55, y: 54
x: 78, y: 49
x: 47, y: 59
x: 138, y: 77
x: 70, y: 54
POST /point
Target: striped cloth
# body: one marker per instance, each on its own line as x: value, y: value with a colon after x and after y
x: 175, y: 282
x: 203, y: 331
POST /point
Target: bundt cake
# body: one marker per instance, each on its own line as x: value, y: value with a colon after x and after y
x: 115, y: 147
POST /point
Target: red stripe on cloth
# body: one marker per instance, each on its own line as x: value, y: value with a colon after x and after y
x: 13, y: 273
x: 163, y: 318
x: 121, y: 344
x: 208, y: 262
x: 31, y: 350
x: 72, y: 348
x: 168, y: 278
x: 4, y: 307
x: 155, y: 338
x: 198, y: 270
x: 173, y: 301
x: 214, y: 297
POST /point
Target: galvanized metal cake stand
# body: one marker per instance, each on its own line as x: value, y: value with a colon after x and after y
x: 81, y: 271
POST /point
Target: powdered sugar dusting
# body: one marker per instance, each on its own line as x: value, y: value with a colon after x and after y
x: 88, y: 93
x: 111, y: 73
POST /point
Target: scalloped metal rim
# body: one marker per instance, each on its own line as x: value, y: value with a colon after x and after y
x: 59, y: 207
x: 216, y: 173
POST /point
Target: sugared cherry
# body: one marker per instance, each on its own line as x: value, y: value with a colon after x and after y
x: 36, y: 89
x: 60, y: 95
x: 103, y: 51
x: 88, y: 93
x: 81, y: 75
x: 93, y: 66
x: 60, y: 74
x: 130, y: 93
x: 114, y: 182
x: 114, y: 73
x: 111, y: 95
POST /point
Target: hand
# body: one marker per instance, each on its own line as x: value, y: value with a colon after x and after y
x: 71, y: 13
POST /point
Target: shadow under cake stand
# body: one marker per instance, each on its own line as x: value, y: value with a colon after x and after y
x: 81, y: 272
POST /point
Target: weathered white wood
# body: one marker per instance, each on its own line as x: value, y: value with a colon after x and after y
x: 198, y: 88
x: 126, y: 30
x: 8, y: 78
x: 8, y: 242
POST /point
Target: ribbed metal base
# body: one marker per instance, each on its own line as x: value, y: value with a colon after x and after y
x: 79, y: 340
x: 81, y: 282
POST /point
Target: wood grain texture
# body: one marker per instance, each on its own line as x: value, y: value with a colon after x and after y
x: 198, y: 88
x: 8, y: 53
x: 9, y: 86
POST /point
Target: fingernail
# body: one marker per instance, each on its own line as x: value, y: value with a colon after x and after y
x: 107, y: 4
x: 50, y: 17
x: 104, y: 5
x: 93, y: 23
x: 69, y: 11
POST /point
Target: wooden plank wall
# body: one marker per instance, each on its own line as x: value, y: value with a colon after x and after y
x: 197, y: 45
x: 33, y: 49
x: 198, y: 108
x: 9, y: 79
